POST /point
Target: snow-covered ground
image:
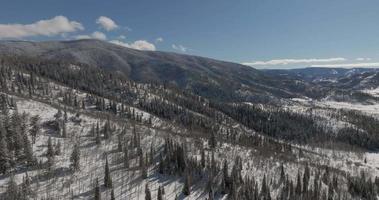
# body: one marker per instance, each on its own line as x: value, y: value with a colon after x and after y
x: 373, y: 92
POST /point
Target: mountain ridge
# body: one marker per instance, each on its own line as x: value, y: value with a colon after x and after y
x: 205, y: 76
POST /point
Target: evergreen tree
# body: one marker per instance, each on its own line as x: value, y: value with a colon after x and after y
x: 159, y: 196
x: 112, y: 195
x: 93, y: 131
x: 212, y: 141
x: 4, y: 156
x: 187, y: 186
x: 330, y: 194
x: 50, y: 148
x: 25, y: 187
x: 58, y: 148
x: 119, y: 143
x: 98, y: 138
x: 12, y: 192
x: 65, y: 117
x: 225, y: 181
x: 282, y: 173
x: 298, y: 184
x: 50, y: 154
x: 107, y: 175
x: 64, y: 129
x: 35, y: 127
x: 306, y: 178
x: 28, y: 152
x: 143, y: 167
x: 264, y: 189
x: 106, y: 129
x: 126, y: 157
x: 202, y: 158
x: 147, y: 192
x: 75, y: 158
x: 97, y: 192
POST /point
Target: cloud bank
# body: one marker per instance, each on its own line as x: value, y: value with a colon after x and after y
x: 95, y: 35
x: 139, y: 45
x: 293, y: 61
x: 348, y: 65
x: 179, y: 47
x: 49, y: 27
x: 106, y: 23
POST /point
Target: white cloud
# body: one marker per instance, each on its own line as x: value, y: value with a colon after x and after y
x: 158, y: 40
x: 348, y: 65
x: 95, y: 35
x: 50, y: 27
x: 106, y: 23
x: 293, y: 61
x: 179, y: 47
x: 139, y: 45
x: 363, y: 59
x: 99, y: 35
x: 122, y: 37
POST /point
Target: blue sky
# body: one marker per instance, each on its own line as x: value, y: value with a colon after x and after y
x: 261, y: 33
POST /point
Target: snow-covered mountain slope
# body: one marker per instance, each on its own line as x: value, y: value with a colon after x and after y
x: 158, y: 136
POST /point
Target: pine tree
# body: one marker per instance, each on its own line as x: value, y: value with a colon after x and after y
x: 4, y: 156
x: 112, y: 195
x: 159, y: 196
x: 83, y: 105
x: 75, y: 158
x: 58, y: 148
x: 25, y: 187
x: 330, y: 194
x: 35, y: 127
x: 161, y: 165
x: 64, y: 129
x: 298, y: 184
x: 306, y: 178
x: 93, y: 131
x: 151, y: 154
x: 202, y: 158
x: 119, y: 143
x: 143, y: 167
x: 97, y: 192
x: 282, y: 173
x: 147, y: 192
x: 50, y: 149
x: 107, y: 175
x: 50, y: 162
x: 98, y: 138
x: 225, y: 182
x: 12, y: 192
x: 65, y: 117
x: 126, y: 157
x: 212, y: 141
x: 187, y: 186
x: 264, y: 189
x: 28, y: 152
x: 50, y: 154
x: 106, y: 129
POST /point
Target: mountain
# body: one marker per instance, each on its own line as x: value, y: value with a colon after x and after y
x: 75, y: 126
x: 337, y: 82
x: 318, y: 74
x: 204, y: 76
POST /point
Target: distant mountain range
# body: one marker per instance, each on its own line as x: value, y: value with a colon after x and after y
x: 343, y: 78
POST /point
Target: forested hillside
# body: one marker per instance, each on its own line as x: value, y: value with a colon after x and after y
x: 71, y: 130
